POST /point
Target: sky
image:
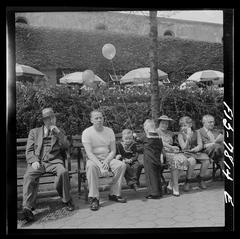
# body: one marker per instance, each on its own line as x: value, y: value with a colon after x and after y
x: 194, y: 15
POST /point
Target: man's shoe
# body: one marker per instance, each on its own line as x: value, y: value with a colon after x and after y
x: 153, y: 197
x: 94, y: 203
x: 69, y: 205
x: 117, y: 198
x: 186, y: 187
x: 202, y: 184
x: 28, y: 215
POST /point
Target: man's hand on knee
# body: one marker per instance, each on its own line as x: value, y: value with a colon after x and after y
x: 105, y: 165
x: 209, y: 145
x: 104, y: 172
x: 36, y: 165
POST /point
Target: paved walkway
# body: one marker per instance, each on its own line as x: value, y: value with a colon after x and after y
x: 198, y: 208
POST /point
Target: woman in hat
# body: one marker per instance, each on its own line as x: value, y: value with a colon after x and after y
x: 176, y: 160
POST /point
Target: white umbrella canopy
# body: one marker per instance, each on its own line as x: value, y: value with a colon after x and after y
x: 188, y: 85
x: 76, y: 77
x: 207, y: 75
x: 23, y: 70
x: 141, y: 75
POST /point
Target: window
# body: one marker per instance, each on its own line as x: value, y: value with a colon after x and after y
x: 101, y: 26
x: 22, y: 20
x: 169, y: 33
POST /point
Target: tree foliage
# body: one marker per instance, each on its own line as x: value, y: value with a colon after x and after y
x: 122, y: 108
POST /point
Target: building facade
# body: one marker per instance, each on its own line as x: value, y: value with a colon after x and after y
x: 124, y: 23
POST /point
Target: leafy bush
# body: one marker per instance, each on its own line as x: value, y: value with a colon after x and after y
x: 123, y: 108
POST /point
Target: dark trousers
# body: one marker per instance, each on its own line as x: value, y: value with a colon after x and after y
x: 153, y: 177
x: 31, y: 182
x: 216, y: 152
x: 133, y: 172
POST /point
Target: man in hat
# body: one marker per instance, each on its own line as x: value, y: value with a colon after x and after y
x: 45, y: 150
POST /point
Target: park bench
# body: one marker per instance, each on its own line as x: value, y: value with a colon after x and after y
x: 76, y: 143
x: 76, y: 148
x: 21, y: 148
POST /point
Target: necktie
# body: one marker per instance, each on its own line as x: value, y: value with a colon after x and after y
x: 46, y: 132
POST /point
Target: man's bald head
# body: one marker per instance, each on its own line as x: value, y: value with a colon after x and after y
x: 208, y: 121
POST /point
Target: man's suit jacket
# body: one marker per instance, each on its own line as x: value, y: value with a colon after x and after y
x: 205, y: 137
x: 35, y: 142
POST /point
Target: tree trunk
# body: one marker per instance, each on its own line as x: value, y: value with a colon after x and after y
x: 153, y: 65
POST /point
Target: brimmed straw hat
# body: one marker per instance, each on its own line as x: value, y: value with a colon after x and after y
x: 164, y: 117
x: 48, y: 112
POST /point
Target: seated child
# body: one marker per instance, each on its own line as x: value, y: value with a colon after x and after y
x: 152, y: 160
x: 126, y: 151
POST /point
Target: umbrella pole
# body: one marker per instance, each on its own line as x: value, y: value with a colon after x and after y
x: 99, y: 105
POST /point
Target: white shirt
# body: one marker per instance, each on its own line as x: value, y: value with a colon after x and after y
x: 99, y: 141
x: 45, y: 130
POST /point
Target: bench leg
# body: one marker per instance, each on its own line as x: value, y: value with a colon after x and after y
x: 214, y: 171
x: 83, y: 180
x: 164, y: 184
x: 217, y: 166
x: 220, y: 166
x: 85, y: 188
x: 85, y: 191
x: 221, y: 174
x: 79, y: 184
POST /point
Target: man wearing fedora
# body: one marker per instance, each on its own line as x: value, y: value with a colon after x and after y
x: 44, y: 153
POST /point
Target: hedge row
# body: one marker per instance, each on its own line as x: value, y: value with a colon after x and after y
x: 49, y: 48
x: 123, y: 108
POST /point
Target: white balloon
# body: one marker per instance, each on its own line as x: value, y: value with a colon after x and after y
x: 109, y: 51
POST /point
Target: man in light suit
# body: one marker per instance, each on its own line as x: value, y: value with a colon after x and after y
x: 212, y: 140
x: 44, y: 153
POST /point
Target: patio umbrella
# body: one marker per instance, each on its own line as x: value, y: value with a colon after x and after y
x: 23, y: 70
x: 188, y: 85
x: 207, y: 75
x: 76, y: 78
x: 141, y: 75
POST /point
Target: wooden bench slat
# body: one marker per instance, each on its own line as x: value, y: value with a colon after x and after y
x: 21, y: 156
x: 22, y: 140
x: 21, y: 148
